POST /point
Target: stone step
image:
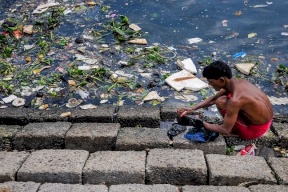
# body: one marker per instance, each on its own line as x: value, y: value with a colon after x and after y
x: 156, y: 166
x: 96, y: 137
x: 14, y: 186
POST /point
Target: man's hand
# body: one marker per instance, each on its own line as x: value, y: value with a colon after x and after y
x: 184, y: 111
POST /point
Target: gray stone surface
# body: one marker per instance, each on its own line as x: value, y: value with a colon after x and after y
x: 214, y: 188
x: 270, y: 188
x: 14, y: 116
x: 269, y: 139
x: 168, y: 113
x: 282, y: 131
x: 215, y: 147
x: 280, y: 168
x: 176, y: 166
x: 50, y: 135
x: 59, y: 187
x: 7, y: 134
x: 139, y: 139
x: 48, y: 115
x: 92, y: 136
x: 143, y: 188
x: 10, y: 162
x: 139, y: 116
x: 115, y: 167
x: 102, y: 114
x: 13, y: 186
x: 234, y: 170
x: 54, y: 166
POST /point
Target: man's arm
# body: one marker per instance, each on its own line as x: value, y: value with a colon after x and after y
x: 203, y: 104
x: 230, y: 119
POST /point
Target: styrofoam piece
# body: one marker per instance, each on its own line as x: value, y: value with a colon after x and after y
x: 244, y: 67
x: 188, y: 65
x: 278, y: 100
x: 185, y: 80
x: 9, y: 99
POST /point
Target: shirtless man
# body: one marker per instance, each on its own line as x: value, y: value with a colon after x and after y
x: 247, y: 111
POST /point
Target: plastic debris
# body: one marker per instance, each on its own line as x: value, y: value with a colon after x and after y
x: 43, y: 7
x: 186, y: 98
x: 184, y: 79
x: 138, y: 41
x: 224, y: 23
x: 135, y: 27
x: 66, y: 114
x: 244, y: 68
x: 152, y: 96
x: 83, y: 94
x: 284, y: 33
x: 28, y: 29
x: 85, y: 59
x: 240, y: 54
x: 9, y: 99
x: 88, y: 106
x: 278, y: 100
x: 249, y: 150
x: 259, y: 6
x: 73, y: 102
x: 18, y: 102
x: 188, y: 65
x: 251, y: 35
x: 195, y: 40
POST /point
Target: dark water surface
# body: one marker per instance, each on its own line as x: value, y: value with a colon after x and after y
x: 172, y: 23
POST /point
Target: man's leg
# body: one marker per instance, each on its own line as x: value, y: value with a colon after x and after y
x: 221, y: 104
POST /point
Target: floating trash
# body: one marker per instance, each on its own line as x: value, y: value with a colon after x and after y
x: 73, y: 102
x: 18, y: 102
x: 195, y: 40
x: 240, y: 54
x: 88, y: 106
x: 66, y: 114
x: 9, y: 99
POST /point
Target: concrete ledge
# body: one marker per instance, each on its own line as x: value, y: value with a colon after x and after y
x: 282, y: 131
x: 7, y: 134
x: 234, y: 170
x: 10, y: 163
x: 176, y: 166
x: 168, y: 113
x: 143, y: 188
x: 58, y: 187
x: 92, y: 136
x: 214, y: 188
x: 270, y: 188
x: 139, y: 139
x: 115, y: 167
x: 14, y: 116
x: 269, y: 139
x: 54, y: 166
x: 215, y: 147
x: 280, y: 167
x: 14, y: 186
x: 102, y: 114
x: 139, y: 116
x: 42, y: 136
x: 53, y: 115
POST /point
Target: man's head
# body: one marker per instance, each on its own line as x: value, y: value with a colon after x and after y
x: 216, y: 74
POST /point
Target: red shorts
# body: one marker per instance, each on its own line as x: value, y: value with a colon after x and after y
x: 248, y: 131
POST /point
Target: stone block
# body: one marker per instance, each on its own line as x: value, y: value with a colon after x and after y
x: 215, y: 147
x: 270, y: 188
x: 13, y: 186
x: 54, y: 166
x: 139, y: 116
x: 282, y: 131
x: 280, y: 168
x: 38, y: 136
x: 102, y: 114
x: 168, y: 113
x: 143, y: 188
x: 92, y: 136
x: 59, y: 187
x: 214, y: 188
x: 269, y: 139
x: 14, y: 116
x: 139, y: 139
x: 10, y: 163
x: 7, y: 134
x: 235, y: 170
x: 54, y: 115
x: 115, y: 167
x: 176, y: 166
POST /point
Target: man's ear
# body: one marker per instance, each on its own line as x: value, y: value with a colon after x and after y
x: 222, y: 79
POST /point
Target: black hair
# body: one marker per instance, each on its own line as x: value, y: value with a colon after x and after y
x: 216, y: 70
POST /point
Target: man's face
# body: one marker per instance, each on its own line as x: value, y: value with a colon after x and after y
x: 216, y: 84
